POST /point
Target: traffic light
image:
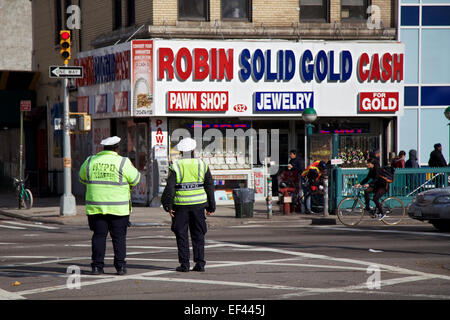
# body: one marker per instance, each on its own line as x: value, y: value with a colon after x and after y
x: 64, y: 36
x: 85, y: 123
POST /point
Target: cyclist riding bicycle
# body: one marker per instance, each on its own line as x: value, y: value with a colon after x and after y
x: 312, y: 177
x: 378, y: 186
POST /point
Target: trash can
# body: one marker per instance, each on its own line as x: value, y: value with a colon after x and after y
x: 244, y: 199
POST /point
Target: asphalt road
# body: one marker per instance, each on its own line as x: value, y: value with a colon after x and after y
x: 271, y: 260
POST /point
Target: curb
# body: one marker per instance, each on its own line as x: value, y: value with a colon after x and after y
x: 33, y: 219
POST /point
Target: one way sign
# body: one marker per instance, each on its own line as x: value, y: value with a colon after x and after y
x: 65, y: 72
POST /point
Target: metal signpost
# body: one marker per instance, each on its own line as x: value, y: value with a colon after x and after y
x: 67, y: 204
x: 25, y: 105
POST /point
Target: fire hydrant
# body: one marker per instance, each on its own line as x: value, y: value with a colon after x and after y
x: 287, y: 199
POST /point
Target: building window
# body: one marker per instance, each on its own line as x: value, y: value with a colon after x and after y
x: 193, y: 10
x: 236, y: 10
x: 314, y: 10
x: 117, y: 14
x: 131, y: 13
x: 354, y: 9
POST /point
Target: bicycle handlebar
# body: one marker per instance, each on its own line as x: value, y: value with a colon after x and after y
x: 18, y: 181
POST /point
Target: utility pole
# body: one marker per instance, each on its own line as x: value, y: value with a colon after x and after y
x: 67, y: 205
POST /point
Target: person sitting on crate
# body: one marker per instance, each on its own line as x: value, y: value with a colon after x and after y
x: 312, y: 178
x: 379, y: 178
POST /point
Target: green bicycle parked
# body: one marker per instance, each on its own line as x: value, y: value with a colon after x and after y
x: 24, y: 196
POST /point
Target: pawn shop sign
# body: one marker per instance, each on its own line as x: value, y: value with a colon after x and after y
x: 25, y: 105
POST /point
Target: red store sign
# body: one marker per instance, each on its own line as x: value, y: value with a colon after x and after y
x: 378, y: 102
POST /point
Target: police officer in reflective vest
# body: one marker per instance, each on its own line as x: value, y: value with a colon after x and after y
x: 189, y: 191
x: 108, y: 178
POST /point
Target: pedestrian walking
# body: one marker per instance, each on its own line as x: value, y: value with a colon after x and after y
x: 436, y: 157
x: 413, y: 180
x: 188, y: 193
x: 108, y: 178
x: 412, y: 160
x: 399, y: 161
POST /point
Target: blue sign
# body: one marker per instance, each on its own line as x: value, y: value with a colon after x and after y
x: 282, y: 101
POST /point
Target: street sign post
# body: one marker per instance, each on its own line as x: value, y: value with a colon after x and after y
x: 25, y: 105
x: 65, y: 72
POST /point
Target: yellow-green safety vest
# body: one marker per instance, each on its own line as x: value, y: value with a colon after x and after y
x: 108, y: 178
x: 189, y: 189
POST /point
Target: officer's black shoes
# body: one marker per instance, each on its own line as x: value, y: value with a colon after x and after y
x: 122, y: 271
x: 97, y: 271
x: 182, y: 269
x: 198, y: 268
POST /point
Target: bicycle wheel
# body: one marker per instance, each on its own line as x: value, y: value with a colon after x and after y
x: 21, y: 198
x: 28, y: 198
x: 394, y: 210
x: 350, y: 211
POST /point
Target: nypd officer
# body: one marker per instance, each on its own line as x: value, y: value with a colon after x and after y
x: 189, y: 191
x: 108, y: 178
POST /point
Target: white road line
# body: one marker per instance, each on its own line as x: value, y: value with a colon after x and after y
x: 11, y: 227
x: 31, y: 225
x: 315, y: 266
x: 45, y: 262
x: 218, y: 282
x: 353, y: 288
x: 29, y: 257
x: 409, y: 275
x: 343, y: 228
x: 95, y: 282
x: 6, y: 295
x: 150, y: 247
x: 351, y: 261
x: 144, y: 275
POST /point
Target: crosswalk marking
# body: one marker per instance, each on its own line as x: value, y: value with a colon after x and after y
x: 31, y: 225
x: 11, y: 227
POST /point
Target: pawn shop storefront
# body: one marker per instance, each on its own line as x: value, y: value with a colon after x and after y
x: 243, y: 102
x: 212, y: 90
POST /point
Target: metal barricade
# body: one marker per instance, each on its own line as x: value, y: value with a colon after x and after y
x: 407, y: 182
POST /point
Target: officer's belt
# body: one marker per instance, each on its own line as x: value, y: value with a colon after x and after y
x: 189, y: 186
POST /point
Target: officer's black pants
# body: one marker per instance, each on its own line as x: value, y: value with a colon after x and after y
x: 117, y: 226
x: 192, y: 218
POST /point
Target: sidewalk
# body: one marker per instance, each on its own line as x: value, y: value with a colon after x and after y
x: 46, y: 210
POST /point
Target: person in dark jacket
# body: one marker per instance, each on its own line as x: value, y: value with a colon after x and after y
x: 413, y: 180
x: 188, y: 193
x: 436, y: 157
x: 377, y: 186
x: 295, y: 163
x: 375, y: 155
x: 399, y: 161
x: 412, y: 160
